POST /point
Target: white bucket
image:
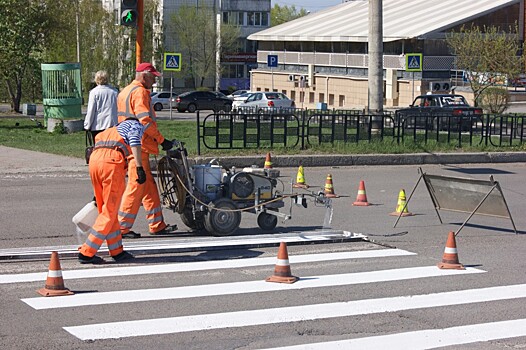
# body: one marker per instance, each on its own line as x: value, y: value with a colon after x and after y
x: 208, y: 179
x: 85, y: 218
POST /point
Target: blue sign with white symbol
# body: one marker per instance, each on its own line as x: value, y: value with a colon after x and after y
x: 172, y: 62
x: 413, y: 62
x: 272, y: 61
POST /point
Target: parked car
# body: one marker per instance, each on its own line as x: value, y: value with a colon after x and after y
x: 237, y: 93
x: 161, y: 100
x: 202, y: 100
x: 259, y: 102
x: 240, y: 99
x: 450, y: 109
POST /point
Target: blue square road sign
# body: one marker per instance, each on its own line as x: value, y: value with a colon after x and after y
x: 272, y: 61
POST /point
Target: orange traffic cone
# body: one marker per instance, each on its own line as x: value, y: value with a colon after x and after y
x: 361, y: 198
x: 300, y: 179
x: 54, y: 282
x: 282, y: 272
x: 268, y: 162
x: 450, y: 257
x: 401, y: 206
x: 329, y: 188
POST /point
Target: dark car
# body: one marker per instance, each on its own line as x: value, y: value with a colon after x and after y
x: 447, y: 111
x: 202, y: 100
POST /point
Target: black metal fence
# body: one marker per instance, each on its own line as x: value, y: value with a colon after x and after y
x: 295, y: 128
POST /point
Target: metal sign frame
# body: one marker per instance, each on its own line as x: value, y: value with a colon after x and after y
x: 409, y: 57
x: 167, y: 57
x: 473, y: 204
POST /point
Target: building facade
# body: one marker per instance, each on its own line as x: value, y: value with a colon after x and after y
x: 323, y: 60
x: 250, y: 16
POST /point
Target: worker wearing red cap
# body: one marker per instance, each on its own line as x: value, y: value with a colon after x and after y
x: 134, y: 102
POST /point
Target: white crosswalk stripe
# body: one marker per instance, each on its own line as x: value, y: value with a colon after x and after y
x: 426, y: 339
x: 182, y: 324
x: 354, y: 305
x: 202, y: 265
x: 242, y: 287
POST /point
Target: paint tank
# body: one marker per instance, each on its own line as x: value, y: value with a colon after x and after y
x: 208, y: 179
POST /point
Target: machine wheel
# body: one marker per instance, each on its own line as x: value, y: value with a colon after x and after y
x: 188, y: 219
x: 267, y: 221
x: 158, y: 106
x: 192, y: 108
x: 222, y: 223
x: 173, y: 193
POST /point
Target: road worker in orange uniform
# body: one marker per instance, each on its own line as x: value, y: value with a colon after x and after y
x: 134, y: 102
x: 107, y: 168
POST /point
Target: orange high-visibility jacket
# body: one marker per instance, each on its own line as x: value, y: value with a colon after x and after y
x: 134, y: 101
x: 110, y: 138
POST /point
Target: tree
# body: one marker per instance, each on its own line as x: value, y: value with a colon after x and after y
x: 195, y: 33
x: 282, y: 14
x: 488, y: 55
x: 23, y: 28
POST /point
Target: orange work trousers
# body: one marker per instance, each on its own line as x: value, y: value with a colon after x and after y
x: 107, y: 169
x: 135, y: 194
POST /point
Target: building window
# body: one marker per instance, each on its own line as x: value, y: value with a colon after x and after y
x: 234, y: 71
x: 257, y: 19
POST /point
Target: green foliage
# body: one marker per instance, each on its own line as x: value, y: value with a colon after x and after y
x: 23, y: 27
x: 194, y: 31
x: 282, y: 14
x: 488, y: 55
x: 494, y: 100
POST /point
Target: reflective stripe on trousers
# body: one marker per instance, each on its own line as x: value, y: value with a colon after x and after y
x: 135, y: 194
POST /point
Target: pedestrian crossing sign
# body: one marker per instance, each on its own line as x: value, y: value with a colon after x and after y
x: 172, y: 62
x: 413, y: 62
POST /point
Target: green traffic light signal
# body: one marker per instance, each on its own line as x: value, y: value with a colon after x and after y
x: 129, y: 17
x: 129, y: 13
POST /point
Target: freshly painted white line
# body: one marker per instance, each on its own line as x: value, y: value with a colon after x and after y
x: 195, y: 243
x: 201, y: 265
x: 170, y: 325
x: 426, y: 339
x: 132, y: 296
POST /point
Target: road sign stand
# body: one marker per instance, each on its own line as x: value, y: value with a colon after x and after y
x: 171, y: 92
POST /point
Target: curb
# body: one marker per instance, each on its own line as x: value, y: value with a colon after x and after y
x: 373, y: 159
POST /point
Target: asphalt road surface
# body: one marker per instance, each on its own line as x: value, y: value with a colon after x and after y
x: 380, y: 292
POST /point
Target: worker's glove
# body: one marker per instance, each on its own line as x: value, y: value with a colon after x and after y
x: 141, y: 175
x: 167, y: 144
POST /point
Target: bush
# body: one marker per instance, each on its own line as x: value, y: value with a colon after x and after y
x: 494, y: 99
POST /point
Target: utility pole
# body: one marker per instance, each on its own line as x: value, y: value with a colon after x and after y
x: 218, y: 46
x: 375, y: 51
x: 140, y: 27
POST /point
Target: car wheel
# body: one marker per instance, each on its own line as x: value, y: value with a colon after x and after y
x: 192, y: 108
x: 158, y: 106
x: 228, y: 107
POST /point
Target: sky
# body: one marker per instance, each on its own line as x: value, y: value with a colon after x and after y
x: 309, y: 5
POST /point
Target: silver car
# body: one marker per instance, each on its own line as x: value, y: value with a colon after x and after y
x: 161, y: 100
x: 259, y: 102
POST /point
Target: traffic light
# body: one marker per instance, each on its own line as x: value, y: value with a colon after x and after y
x: 129, y: 13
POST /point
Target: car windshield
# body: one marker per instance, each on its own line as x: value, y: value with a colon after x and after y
x: 453, y: 100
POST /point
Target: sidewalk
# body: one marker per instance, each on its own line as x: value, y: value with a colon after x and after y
x: 16, y: 161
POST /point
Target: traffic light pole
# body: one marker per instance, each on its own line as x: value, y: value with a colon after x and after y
x: 139, y: 38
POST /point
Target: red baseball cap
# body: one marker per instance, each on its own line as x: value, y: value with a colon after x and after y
x: 147, y: 67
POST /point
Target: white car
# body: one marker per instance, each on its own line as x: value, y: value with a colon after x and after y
x: 236, y: 93
x: 240, y: 99
x: 259, y: 102
x: 161, y: 100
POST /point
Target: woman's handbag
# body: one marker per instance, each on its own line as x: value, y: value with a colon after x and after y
x: 89, y: 145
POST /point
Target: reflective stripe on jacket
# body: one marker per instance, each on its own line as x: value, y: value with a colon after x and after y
x: 134, y: 101
x: 110, y: 138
